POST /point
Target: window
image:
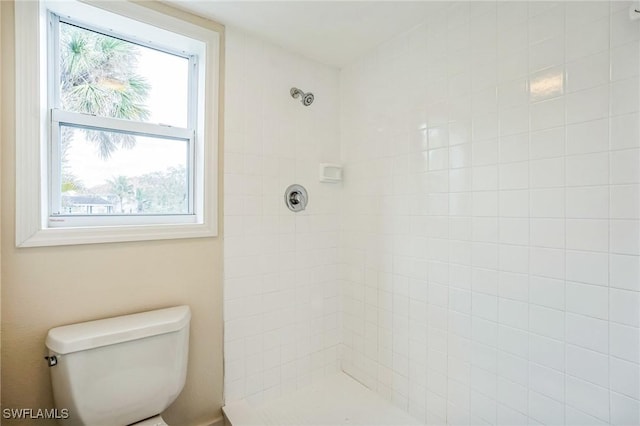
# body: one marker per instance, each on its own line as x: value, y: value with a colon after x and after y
x: 121, y: 132
x: 125, y: 145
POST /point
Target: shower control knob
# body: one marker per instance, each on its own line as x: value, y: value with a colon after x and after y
x: 296, y: 198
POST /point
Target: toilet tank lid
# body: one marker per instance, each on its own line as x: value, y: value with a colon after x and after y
x: 109, y: 331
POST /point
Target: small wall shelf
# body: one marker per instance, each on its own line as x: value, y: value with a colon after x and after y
x: 330, y: 173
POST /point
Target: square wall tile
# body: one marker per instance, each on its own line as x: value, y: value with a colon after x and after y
x: 589, y: 300
x: 587, y: 169
x: 587, y: 332
x: 587, y: 365
x: 587, y: 267
x: 588, y: 398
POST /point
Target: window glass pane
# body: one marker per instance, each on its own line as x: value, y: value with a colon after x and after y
x: 110, y: 77
x: 140, y: 175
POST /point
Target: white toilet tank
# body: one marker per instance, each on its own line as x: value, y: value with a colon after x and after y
x: 120, y: 370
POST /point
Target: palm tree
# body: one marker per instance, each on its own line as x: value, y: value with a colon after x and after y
x: 142, y: 200
x: 122, y: 188
x: 97, y: 77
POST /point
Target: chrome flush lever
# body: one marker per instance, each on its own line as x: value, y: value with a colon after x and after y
x: 51, y: 360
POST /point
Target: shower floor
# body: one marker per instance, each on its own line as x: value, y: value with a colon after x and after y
x: 336, y: 400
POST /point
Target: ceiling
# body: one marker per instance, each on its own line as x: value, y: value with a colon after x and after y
x: 331, y: 32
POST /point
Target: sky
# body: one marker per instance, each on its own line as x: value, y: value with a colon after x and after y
x: 148, y: 155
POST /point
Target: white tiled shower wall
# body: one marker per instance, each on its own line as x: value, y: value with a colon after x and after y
x: 489, y: 241
x: 489, y: 230
x: 281, y: 299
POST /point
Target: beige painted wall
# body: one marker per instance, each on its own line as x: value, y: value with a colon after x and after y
x: 52, y: 286
x: 1, y: 197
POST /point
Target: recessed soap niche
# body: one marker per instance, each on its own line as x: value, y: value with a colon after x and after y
x: 330, y: 173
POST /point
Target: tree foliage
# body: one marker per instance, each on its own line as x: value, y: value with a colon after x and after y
x: 122, y: 188
x: 97, y: 77
x: 163, y: 192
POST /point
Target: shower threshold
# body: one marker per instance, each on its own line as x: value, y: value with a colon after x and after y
x: 335, y: 400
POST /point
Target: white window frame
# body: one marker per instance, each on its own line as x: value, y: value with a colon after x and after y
x: 34, y: 119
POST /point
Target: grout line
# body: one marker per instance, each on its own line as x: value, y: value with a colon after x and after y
x: 564, y: 193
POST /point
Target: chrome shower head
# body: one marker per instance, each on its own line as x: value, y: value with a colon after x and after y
x: 305, y: 98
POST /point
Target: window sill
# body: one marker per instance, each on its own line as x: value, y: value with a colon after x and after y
x: 113, y: 234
